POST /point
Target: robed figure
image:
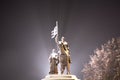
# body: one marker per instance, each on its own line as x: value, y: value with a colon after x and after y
x: 53, y: 60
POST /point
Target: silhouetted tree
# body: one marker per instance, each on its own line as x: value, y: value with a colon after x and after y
x: 104, y: 64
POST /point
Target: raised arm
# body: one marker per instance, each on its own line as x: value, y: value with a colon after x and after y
x: 57, y: 42
x: 56, y: 39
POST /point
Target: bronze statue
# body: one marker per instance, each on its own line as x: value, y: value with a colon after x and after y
x: 54, y: 60
x: 64, y: 56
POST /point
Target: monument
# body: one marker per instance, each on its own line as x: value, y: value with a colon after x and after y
x: 60, y: 56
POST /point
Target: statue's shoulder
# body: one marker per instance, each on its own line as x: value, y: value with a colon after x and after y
x: 65, y: 43
x: 59, y: 42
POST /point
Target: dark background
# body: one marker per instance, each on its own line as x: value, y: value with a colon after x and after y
x: 25, y: 33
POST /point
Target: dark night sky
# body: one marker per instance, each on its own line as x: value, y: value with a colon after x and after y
x: 25, y: 39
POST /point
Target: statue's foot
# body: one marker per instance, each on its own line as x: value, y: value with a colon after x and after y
x: 68, y: 72
x: 62, y: 72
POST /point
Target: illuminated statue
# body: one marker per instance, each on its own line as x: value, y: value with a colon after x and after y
x: 59, y: 58
x: 64, y: 57
x: 63, y: 49
x: 54, y: 60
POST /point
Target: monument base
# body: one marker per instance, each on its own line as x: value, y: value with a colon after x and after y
x: 60, y: 77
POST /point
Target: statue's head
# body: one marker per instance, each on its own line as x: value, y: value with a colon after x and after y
x: 62, y: 39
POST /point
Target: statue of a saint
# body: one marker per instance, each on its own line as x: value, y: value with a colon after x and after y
x: 54, y: 60
x: 64, y: 56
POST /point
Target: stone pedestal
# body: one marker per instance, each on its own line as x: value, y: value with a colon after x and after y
x: 60, y: 77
